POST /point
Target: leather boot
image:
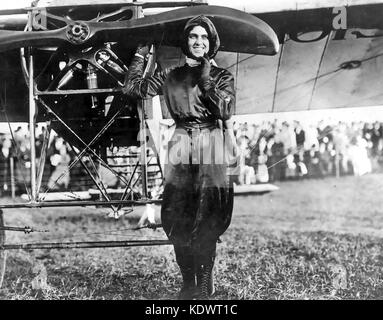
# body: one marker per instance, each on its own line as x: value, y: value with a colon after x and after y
x: 185, y: 262
x: 205, y: 281
x: 187, y: 291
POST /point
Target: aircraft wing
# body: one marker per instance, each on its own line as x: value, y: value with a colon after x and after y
x: 329, y: 58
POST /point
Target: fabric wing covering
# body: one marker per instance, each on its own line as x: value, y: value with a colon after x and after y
x: 307, y: 76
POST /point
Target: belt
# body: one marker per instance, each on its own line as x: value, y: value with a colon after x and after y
x: 190, y: 126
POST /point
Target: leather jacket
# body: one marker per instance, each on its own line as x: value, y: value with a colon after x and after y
x: 186, y: 101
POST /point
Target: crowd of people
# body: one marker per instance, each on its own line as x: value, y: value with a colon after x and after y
x: 269, y: 152
x: 15, y: 156
x: 273, y: 151
x: 59, y: 174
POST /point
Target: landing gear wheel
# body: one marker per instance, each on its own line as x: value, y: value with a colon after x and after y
x: 3, y: 253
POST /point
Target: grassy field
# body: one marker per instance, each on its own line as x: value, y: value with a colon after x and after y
x: 312, y: 239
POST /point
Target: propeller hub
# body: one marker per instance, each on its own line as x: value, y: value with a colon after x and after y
x: 78, y: 32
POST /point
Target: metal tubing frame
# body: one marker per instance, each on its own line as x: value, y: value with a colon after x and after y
x: 76, y: 92
x: 87, y: 146
x: 125, y: 194
x: 44, y: 149
x: 35, y: 93
x: 143, y: 107
x: 79, y: 203
x: 85, y: 244
x: 100, y: 187
x: 3, y: 253
x: 98, y: 175
x: 144, y: 173
x: 32, y: 118
x: 40, y: 204
x: 12, y: 168
x: 25, y: 229
x: 36, y: 177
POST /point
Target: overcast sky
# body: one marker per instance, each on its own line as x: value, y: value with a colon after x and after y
x: 7, y: 4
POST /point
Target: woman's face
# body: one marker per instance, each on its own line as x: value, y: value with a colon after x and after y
x: 198, y: 42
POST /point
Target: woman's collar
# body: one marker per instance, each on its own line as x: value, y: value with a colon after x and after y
x: 194, y: 63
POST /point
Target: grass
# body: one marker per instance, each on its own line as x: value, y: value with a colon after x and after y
x: 312, y: 239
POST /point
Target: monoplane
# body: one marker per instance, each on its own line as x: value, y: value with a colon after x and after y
x: 64, y: 63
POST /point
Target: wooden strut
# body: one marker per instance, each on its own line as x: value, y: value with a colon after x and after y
x: 32, y: 118
x: 43, y: 154
x: 76, y: 245
x: 3, y: 254
x: 25, y: 229
x: 74, y: 203
x: 28, y: 229
x: 84, y: 244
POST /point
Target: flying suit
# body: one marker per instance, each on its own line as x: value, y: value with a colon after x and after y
x: 198, y: 194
